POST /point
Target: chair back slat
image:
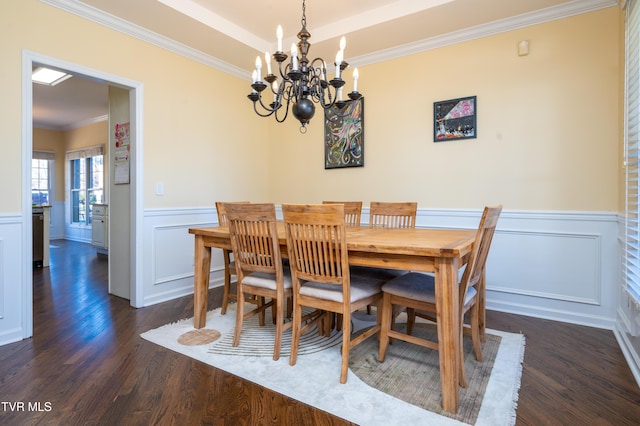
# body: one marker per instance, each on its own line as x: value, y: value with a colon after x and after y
x: 316, y: 241
x: 254, y: 237
x: 352, y: 211
x: 222, y: 211
x: 393, y: 215
x: 482, y: 243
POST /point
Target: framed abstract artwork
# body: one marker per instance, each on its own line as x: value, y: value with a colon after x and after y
x: 344, y: 135
x: 455, y: 119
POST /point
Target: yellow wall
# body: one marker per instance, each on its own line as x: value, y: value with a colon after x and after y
x: 548, y: 123
x: 53, y: 141
x: 82, y: 137
x: 198, y: 125
x: 547, y: 126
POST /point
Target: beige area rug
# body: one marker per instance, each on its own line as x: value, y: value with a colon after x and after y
x: 411, y: 372
x: 367, y: 398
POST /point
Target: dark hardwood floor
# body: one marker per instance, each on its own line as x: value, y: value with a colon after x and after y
x: 87, y: 365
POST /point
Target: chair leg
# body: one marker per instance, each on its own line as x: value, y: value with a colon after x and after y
x: 463, y: 376
x: 328, y: 323
x: 476, y: 333
x: 346, y: 343
x: 289, y: 306
x: 385, y: 324
x: 226, y: 289
x: 411, y: 320
x: 395, y: 311
x: 279, y: 307
x: 378, y: 317
x: 239, y: 318
x: 482, y: 307
x: 295, y: 333
x: 261, y: 315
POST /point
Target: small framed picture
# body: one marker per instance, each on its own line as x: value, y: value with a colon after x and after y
x: 455, y: 119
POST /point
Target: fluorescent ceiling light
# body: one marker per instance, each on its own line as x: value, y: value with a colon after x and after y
x: 48, y: 76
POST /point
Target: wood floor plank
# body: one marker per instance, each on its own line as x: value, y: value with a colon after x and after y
x: 88, y: 361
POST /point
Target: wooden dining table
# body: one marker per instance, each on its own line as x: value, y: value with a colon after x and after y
x: 441, y: 251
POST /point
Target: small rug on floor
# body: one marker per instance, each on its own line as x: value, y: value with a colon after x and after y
x: 357, y: 401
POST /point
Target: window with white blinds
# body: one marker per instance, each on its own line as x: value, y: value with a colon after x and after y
x: 631, y: 260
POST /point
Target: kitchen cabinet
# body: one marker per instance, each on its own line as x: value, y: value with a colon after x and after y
x: 100, y: 228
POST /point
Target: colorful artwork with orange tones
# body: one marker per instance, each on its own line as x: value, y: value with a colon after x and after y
x: 455, y: 119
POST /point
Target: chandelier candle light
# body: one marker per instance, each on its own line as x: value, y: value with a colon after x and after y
x: 302, y: 82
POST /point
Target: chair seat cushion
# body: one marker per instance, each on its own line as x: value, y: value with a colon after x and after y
x: 418, y: 286
x: 264, y: 280
x: 361, y: 288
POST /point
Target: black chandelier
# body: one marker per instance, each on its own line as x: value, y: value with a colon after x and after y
x: 302, y: 83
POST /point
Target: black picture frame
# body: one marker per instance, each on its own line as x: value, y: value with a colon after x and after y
x: 455, y: 119
x: 344, y: 135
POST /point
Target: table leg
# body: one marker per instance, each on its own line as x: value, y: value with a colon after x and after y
x: 202, y: 266
x: 446, y: 279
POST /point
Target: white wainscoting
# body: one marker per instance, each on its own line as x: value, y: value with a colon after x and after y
x: 169, y: 253
x: 555, y: 265
x: 12, y: 286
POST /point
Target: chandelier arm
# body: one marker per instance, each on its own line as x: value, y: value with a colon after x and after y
x: 341, y: 111
x: 332, y: 99
x: 266, y: 108
x: 270, y: 108
x: 255, y: 108
x: 319, y: 70
x: 286, y: 112
x: 303, y: 83
x: 284, y: 72
x: 288, y: 90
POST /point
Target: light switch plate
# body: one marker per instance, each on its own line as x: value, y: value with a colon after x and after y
x: 523, y: 48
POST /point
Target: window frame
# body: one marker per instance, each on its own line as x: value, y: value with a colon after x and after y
x: 49, y: 158
x: 86, y: 188
x: 631, y: 248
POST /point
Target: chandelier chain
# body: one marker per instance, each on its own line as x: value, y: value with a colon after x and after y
x: 303, y: 21
x: 301, y: 82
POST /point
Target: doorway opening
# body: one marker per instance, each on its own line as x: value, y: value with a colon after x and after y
x: 132, y: 218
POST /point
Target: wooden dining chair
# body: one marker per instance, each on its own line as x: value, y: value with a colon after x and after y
x: 352, y: 211
x: 388, y: 215
x: 229, y: 266
x: 256, y: 251
x: 416, y: 292
x: 318, y: 257
x: 393, y: 215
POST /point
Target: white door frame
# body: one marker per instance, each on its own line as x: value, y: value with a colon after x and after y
x: 136, y: 106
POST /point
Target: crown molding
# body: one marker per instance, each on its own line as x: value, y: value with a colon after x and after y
x: 118, y: 24
x: 576, y: 7
x: 553, y: 13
